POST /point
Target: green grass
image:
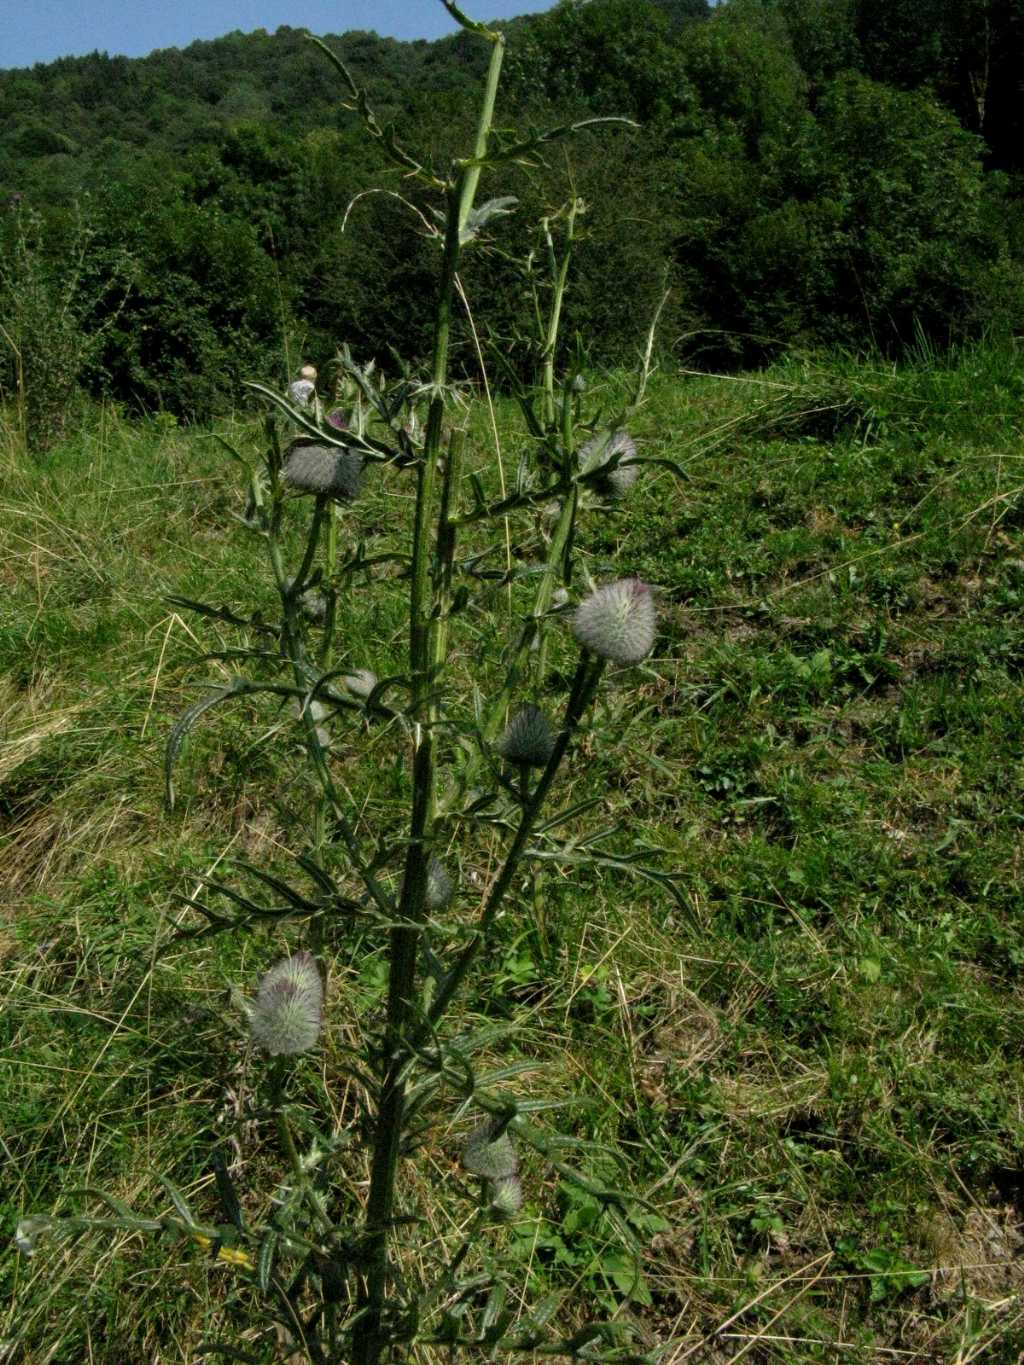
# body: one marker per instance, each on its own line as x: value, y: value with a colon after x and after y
x: 813, y: 1065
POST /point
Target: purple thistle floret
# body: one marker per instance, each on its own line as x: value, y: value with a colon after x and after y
x: 617, y: 622
x: 288, y: 1013
x: 338, y: 418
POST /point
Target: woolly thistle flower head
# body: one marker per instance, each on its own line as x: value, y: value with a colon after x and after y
x: 360, y: 683
x: 528, y: 738
x: 313, y: 606
x: 617, y: 621
x: 440, y: 887
x: 339, y: 419
x: 29, y: 1232
x: 506, y: 1196
x: 331, y: 471
x: 288, y: 1011
x: 317, y: 709
x: 488, y: 1156
x: 301, y: 391
x: 610, y: 448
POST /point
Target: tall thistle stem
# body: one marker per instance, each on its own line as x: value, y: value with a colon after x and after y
x: 424, y: 665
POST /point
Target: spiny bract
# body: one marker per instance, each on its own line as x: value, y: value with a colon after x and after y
x: 331, y: 471
x: 493, y: 1158
x: 440, y: 887
x: 506, y: 1196
x: 604, y: 450
x: 617, y: 621
x: 288, y: 1011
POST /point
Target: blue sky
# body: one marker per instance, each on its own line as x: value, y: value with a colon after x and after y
x: 41, y: 30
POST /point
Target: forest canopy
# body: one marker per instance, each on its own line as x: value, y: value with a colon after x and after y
x: 800, y: 172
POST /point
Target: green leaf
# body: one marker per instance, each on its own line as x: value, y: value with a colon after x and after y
x: 495, y: 1318
x: 187, y: 722
x: 265, y: 1260
x: 626, y: 1275
x: 179, y: 1201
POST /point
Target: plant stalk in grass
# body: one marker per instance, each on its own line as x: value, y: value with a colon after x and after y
x: 426, y: 636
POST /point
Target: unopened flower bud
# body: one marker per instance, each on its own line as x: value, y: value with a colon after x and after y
x: 288, y: 1011
x: 317, y: 709
x: 29, y: 1231
x: 492, y: 1158
x: 360, y: 683
x: 617, y: 622
x: 331, y: 471
x: 528, y: 738
x: 300, y: 391
x: 440, y: 887
x: 604, y: 450
x: 506, y: 1196
x: 313, y: 605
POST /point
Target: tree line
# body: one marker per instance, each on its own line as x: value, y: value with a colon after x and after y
x: 795, y: 172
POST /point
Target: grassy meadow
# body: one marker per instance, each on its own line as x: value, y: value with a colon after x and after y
x: 809, y: 1060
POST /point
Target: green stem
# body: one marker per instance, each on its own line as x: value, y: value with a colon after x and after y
x: 284, y: 1133
x: 559, y: 276
x: 447, y: 531
x: 330, y: 587
x: 368, y: 1340
x: 326, y: 661
x: 585, y: 683
x: 495, y: 713
x: 300, y: 579
x: 294, y: 650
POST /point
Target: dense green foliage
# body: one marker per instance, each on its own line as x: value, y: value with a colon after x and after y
x: 803, y: 171
x: 814, y: 1065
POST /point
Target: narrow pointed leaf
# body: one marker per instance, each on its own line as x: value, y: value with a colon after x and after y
x: 265, y: 1261
x: 179, y: 1201
x: 181, y: 730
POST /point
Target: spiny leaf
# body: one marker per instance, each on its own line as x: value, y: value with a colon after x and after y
x: 219, y: 613
x: 265, y: 1261
x: 119, y: 1207
x: 368, y: 447
x: 178, y: 1200
x: 495, y: 1318
x: 226, y: 1190
x: 471, y: 24
x: 276, y: 884
x: 181, y: 730
x: 486, y: 213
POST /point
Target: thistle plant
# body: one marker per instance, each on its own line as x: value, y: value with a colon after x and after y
x: 329, y: 1267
